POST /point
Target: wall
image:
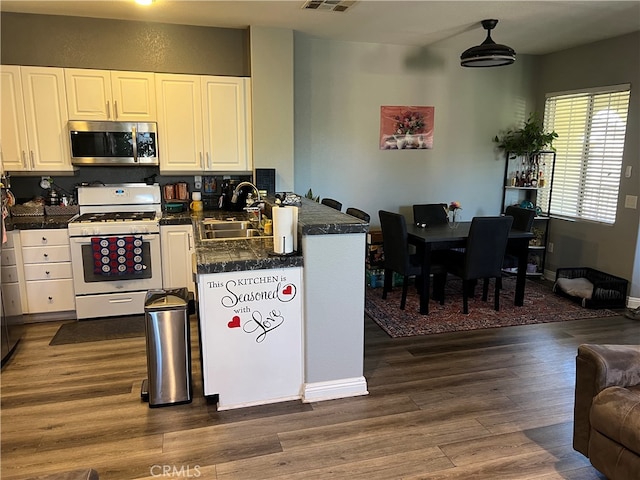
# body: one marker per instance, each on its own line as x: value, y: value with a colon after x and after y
x: 339, y: 88
x: 58, y: 41
x: 272, y: 86
x: 611, y: 248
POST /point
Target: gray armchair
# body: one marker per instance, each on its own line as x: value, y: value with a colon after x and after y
x: 607, y: 409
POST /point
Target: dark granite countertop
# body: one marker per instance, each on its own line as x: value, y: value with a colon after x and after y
x: 37, y: 222
x: 234, y: 255
x: 313, y: 219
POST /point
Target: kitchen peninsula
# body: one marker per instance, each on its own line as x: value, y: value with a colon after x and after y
x: 331, y: 248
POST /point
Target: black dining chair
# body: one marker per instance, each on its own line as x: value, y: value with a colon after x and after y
x: 356, y: 212
x: 396, y: 253
x: 430, y: 214
x: 522, y: 220
x: 482, y: 257
x: 330, y: 202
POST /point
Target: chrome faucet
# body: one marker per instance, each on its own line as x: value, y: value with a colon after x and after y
x: 250, y: 208
x: 234, y: 198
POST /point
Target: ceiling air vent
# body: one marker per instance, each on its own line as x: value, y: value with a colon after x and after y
x: 329, y: 5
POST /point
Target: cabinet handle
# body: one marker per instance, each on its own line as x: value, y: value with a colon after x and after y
x: 50, y: 299
x: 24, y: 159
x: 115, y: 110
x: 108, y: 111
x: 33, y: 162
x: 47, y: 272
x: 201, y: 162
x: 189, y: 240
x: 44, y: 240
x: 208, y: 161
x: 46, y: 255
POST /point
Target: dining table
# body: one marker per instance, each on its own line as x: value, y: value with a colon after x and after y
x: 444, y: 236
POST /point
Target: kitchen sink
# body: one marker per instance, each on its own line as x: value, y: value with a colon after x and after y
x: 228, y: 230
x: 215, y: 225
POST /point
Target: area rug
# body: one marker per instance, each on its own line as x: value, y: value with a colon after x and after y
x: 541, y: 305
x: 99, y: 329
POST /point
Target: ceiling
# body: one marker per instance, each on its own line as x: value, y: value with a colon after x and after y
x: 529, y: 27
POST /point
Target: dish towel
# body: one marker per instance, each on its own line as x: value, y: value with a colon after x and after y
x: 117, y: 255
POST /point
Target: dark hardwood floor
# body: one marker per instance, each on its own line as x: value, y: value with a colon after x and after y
x: 486, y: 404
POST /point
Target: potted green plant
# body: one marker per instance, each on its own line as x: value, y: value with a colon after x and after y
x: 527, y: 140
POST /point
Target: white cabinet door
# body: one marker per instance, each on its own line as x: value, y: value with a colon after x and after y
x: 88, y: 94
x: 227, y: 120
x: 204, y: 123
x: 110, y: 95
x: 134, y: 96
x: 180, y: 123
x: 46, y: 116
x: 177, y: 246
x: 13, y: 126
x: 251, y: 336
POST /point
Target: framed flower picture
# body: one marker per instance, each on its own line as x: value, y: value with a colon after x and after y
x: 406, y: 127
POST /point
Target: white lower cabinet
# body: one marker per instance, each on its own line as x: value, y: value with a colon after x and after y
x: 46, y: 258
x: 177, y: 247
x: 251, y: 336
x: 11, y: 287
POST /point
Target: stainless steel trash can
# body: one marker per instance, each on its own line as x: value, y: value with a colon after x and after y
x: 168, y: 338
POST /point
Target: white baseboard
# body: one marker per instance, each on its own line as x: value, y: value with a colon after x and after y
x: 333, y: 389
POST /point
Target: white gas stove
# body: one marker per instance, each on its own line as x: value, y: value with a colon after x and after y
x: 115, y: 248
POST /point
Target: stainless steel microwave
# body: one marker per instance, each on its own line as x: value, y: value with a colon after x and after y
x: 113, y: 143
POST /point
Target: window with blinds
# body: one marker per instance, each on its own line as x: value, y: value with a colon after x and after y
x: 591, y: 127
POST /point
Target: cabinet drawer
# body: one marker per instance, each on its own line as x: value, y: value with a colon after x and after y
x: 58, y: 253
x: 9, y: 273
x: 10, y: 243
x: 47, y: 271
x: 50, y: 296
x: 8, y: 256
x: 39, y: 238
x: 11, y: 299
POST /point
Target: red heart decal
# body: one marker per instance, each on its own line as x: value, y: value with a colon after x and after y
x: 234, y: 323
x: 287, y: 290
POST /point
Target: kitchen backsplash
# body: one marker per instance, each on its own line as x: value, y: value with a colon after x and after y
x: 26, y: 188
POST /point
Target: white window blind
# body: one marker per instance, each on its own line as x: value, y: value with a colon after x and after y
x: 591, y: 129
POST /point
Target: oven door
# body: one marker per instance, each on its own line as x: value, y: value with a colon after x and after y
x: 88, y: 277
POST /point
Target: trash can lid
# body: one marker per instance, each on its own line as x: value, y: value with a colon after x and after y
x: 166, y: 299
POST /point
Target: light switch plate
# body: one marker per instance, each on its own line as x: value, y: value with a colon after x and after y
x: 627, y: 171
x: 631, y: 201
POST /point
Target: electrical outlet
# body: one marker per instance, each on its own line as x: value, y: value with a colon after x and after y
x: 197, y: 182
x: 550, y: 247
x: 631, y: 201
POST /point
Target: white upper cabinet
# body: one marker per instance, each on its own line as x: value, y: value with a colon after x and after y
x: 34, y: 120
x: 180, y: 123
x: 13, y: 126
x: 204, y: 123
x: 110, y: 95
x: 227, y: 123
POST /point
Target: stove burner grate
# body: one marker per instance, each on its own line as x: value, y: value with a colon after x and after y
x: 116, y: 217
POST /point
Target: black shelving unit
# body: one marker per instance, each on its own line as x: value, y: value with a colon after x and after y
x: 528, y: 182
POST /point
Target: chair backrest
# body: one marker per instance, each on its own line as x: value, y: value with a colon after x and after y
x: 330, y: 202
x: 430, y: 214
x: 486, y: 246
x: 522, y: 217
x: 394, y: 241
x: 356, y: 212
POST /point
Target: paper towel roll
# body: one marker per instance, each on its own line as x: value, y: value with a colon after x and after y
x: 282, y: 230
